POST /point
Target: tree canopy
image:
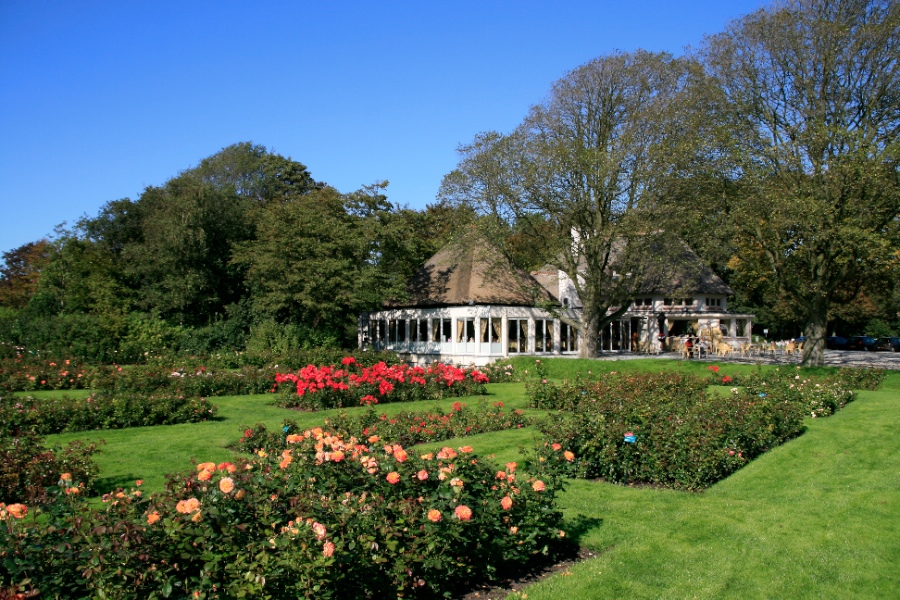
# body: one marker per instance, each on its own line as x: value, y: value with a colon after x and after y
x: 807, y: 115
x: 584, y: 173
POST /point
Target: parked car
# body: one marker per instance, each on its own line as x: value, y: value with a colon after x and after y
x: 836, y: 342
x: 862, y: 342
x: 890, y: 344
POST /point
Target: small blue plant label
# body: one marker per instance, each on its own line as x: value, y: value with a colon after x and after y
x: 630, y: 438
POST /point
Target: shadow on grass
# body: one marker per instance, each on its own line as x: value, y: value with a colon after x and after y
x: 578, y: 526
x: 113, y: 483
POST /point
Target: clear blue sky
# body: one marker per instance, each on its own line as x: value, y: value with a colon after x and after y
x: 100, y: 99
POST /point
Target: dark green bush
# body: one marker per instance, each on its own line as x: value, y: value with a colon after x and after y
x: 406, y: 428
x: 29, y: 471
x: 102, y: 410
x: 683, y: 437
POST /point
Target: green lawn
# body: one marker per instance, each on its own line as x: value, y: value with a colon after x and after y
x: 816, y: 518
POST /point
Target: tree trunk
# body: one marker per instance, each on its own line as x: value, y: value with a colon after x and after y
x: 816, y: 324
x: 590, y: 330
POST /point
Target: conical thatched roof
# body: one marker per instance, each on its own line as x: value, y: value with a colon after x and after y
x: 471, y: 270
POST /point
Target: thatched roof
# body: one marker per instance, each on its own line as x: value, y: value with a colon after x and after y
x: 471, y: 270
x: 679, y: 271
x: 548, y: 277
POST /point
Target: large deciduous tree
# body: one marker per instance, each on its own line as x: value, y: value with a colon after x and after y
x: 320, y: 259
x: 588, y: 166
x: 807, y: 99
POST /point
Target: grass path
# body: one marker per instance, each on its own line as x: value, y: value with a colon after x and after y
x: 816, y: 518
x: 150, y: 453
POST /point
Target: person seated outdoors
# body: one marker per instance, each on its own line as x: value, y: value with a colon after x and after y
x: 689, y: 346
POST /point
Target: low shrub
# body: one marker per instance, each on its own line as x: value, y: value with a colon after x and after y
x: 502, y: 371
x: 851, y: 379
x: 405, y: 428
x: 21, y: 373
x: 29, y: 471
x: 329, y: 517
x: 101, y: 410
x: 664, y: 429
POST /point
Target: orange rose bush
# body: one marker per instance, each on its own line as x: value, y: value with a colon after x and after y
x: 327, y: 517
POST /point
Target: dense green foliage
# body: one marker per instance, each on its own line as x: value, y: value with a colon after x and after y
x: 103, y: 410
x: 406, y: 428
x: 30, y: 471
x: 666, y: 429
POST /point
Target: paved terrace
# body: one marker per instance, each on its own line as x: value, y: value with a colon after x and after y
x: 833, y: 358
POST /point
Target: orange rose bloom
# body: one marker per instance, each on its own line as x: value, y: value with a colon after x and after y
x: 447, y: 453
x: 205, y: 475
x: 538, y: 486
x: 506, y: 503
x: 501, y: 475
x: 328, y: 549
x: 197, y: 517
x: 393, y: 477
x: 226, y: 484
x: 207, y: 466
x: 463, y: 512
x: 466, y: 449
x: 153, y: 518
x: 337, y: 456
x: 511, y: 467
x: 400, y: 454
x: 17, y: 510
x: 434, y: 515
x: 319, y: 530
x: 422, y: 475
x: 187, y: 506
x: 65, y: 477
x: 569, y: 456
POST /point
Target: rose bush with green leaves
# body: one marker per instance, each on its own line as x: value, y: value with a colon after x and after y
x: 99, y: 411
x: 328, y: 517
x: 406, y: 428
x: 664, y: 429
